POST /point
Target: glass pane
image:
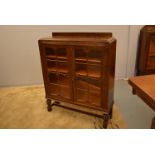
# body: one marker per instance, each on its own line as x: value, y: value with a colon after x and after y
x: 62, y: 67
x: 94, y: 97
x: 61, y: 53
x: 88, y: 90
x: 53, y: 78
x: 51, y: 65
x: 81, y: 69
x: 65, y: 92
x: 94, y: 56
x: 93, y: 84
x: 82, y: 84
x: 82, y: 96
x: 50, y: 52
x: 80, y: 55
x: 64, y: 80
x: 94, y: 92
x: 94, y: 71
x: 54, y: 89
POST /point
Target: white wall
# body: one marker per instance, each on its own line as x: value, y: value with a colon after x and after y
x: 19, y: 53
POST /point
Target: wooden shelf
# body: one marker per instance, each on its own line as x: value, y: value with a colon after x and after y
x: 61, y: 57
x: 88, y: 60
x: 81, y: 59
x: 90, y: 74
x: 56, y: 57
x: 81, y: 73
x: 94, y: 74
x: 52, y: 69
x: 94, y: 60
x: 151, y: 54
x: 60, y: 70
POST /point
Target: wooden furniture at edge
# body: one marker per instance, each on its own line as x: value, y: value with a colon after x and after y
x: 144, y: 87
x: 146, y: 51
x: 78, y: 71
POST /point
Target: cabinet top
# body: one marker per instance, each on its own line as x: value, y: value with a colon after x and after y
x: 149, y: 28
x: 80, y: 37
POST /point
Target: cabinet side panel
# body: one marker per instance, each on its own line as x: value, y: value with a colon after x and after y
x: 111, y: 73
x: 43, y: 65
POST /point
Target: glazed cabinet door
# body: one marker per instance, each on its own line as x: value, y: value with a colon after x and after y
x: 58, y: 71
x: 89, y: 62
x: 151, y: 53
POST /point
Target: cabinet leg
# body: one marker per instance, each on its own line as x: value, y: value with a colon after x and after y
x: 49, y: 105
x: 110, y: 114
x: 105, y: 120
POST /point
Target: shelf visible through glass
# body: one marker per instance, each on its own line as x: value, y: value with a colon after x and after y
x: 56, y: 57
x: 90, y: 55
x: 57, y: 66
x: 84, y: 69
x: 56, y: 53
x: 88, y: 60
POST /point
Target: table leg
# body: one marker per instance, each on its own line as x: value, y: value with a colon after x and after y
x: 133, y: 91
x: 153, y: 123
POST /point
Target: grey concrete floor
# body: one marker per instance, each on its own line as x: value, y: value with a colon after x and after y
x: 134, y: 111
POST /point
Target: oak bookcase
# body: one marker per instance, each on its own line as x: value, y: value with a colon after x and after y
x: 78, y: 71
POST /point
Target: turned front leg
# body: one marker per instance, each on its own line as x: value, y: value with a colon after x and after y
x: 105, y: 120
x: 49, y: 105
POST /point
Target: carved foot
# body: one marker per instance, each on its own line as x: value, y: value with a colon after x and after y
x: 105, y: 120
x: 49, y: 105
